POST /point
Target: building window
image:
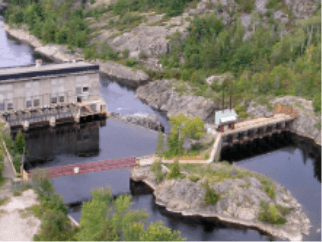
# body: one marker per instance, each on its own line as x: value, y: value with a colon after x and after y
x: 9, y: 105
x: 78, y: 90
x: 28, y: 103
x: 53, y: 99
x: 36, y: 102
x: 1, y: 106
x: 61, y: 99
x: 85, y: 89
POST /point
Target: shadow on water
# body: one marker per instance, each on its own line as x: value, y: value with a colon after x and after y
x: 286, y: 141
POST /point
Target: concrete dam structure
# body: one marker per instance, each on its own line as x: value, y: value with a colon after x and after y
x: 41, y: 95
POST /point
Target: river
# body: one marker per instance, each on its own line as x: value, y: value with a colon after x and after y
x: 292, y: 161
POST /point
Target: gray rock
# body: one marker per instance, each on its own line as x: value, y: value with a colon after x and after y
x: 161, y: 96
x: 254, y: 182
x: 145, y: 120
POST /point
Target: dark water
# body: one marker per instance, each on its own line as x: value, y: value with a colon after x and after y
x: 294, y: 163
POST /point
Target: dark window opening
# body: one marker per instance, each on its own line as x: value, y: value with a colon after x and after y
x: 54, y: 100
x: 61, y: 99
x: 10, y: 106
x: 36, y: 102
x: 28, y: 103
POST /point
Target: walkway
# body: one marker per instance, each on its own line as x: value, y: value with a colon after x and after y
x: 258, y: 122
x: 82, y: 168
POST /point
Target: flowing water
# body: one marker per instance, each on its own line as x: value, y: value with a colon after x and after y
x: 291, y: 161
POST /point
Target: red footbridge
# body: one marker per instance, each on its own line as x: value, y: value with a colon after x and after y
x: 82, y: 168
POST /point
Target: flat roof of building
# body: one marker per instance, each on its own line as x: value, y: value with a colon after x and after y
x: 224, y: 114
x: 30, y: 71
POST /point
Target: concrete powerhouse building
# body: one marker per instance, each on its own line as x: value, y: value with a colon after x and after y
x: 40, y: 87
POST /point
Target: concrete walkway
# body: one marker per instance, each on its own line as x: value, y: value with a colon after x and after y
x: 7, y: 171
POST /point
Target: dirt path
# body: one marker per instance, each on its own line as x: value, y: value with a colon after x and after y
x: 15, y: 222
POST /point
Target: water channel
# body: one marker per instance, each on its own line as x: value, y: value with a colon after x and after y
x: 292, y: 161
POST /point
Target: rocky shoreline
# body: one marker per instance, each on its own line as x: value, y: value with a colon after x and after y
x: 239, y: 203
x: 58, y: 53
x: 149, y: 121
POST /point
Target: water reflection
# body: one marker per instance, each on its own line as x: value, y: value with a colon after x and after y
x: 78, y: 139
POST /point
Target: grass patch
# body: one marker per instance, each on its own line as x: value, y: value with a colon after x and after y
x: 25, y: 213
x: 19, y: 188
x: 318, y: 125
x: 3, y: 201
x: 193, y: 178
x: 269, y: 189
x: 283, y: 210
x: 270, y: 214
x: 287, y: 201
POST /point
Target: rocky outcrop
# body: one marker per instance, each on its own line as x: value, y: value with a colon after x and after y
x: 145, y: 120
x: 239, y: 203
x: 306, y: 122
x: 160, y: 95
x: 123, y: 74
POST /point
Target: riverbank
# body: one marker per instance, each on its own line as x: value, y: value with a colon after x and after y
x: 59, y: 53
x: 241, y: 196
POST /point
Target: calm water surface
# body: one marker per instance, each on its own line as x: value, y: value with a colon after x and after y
x: 294, y: 163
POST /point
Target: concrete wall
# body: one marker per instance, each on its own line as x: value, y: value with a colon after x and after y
x: 24, y: 92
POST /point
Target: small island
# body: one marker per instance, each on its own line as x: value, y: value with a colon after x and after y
x: 228, y: 193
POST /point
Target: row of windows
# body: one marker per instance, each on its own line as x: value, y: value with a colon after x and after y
x: 36, y: 103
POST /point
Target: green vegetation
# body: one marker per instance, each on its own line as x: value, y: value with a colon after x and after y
x: 19, y: 188
x: 269, y: 189
x: 262, y: 64
x: 193, y: 178
x: 3, y: 201
x: 96, y: 221
x: 175, y: 171
x: 170, y: 7
x: 273, y: 214
x: 156, y: 168
x: 192, y: 128
x: 211, y: 197
x: 160, y: 143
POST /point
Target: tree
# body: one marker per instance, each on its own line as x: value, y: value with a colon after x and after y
x: 159, y: 148
x: 175, y: 170
x: 97, y: 223
x: 20, y: 142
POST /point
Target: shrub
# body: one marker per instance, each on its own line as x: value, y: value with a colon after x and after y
x: 16, y: 162
x: 269, y: 214
x: 125, y: 53
x: 131, y: 62
x: 269, y: 189
x: 211, y: 197
x: 193, y: 178
x: 283, y: 210
x: 207, y: 156
x: 174, y: 171
x: 156, y: 168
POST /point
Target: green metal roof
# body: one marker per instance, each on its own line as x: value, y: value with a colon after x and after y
x: 224, y: 114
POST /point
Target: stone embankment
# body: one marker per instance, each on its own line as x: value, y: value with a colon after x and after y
x: 239, y: 203
x: 307, y: 120
x: 149, y: 121
x: 160, y: 95
x: 60, y: 53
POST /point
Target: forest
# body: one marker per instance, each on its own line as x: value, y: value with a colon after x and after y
x: 265, y: 65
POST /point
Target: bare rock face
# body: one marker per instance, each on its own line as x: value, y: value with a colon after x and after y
x: 145, y: 120
x: 122, y: 74
x: 239, y: 203
x: 302, y: 9
x: 161, y: 96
